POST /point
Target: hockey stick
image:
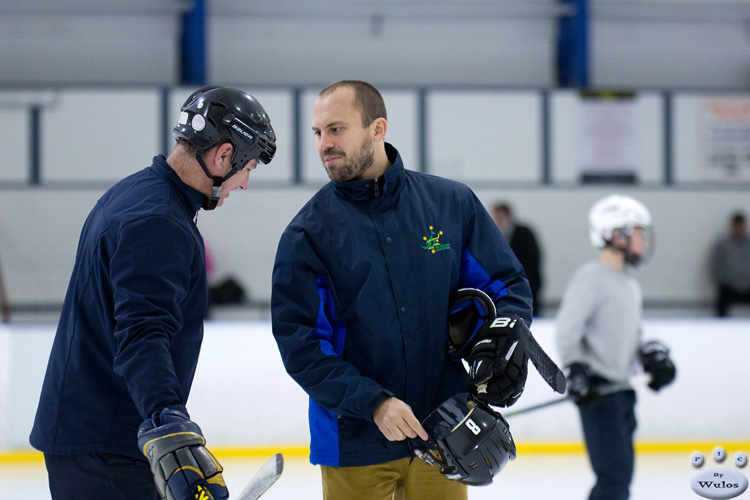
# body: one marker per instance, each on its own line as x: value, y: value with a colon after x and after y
x: 536, y: 407
x: 264, y: 478
x: 543, y: 363
x: 601, y: 391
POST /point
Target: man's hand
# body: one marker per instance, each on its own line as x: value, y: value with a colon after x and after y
x: 396, y: 421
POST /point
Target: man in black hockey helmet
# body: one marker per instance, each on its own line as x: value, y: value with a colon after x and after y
x: 215, y: 115
x: 112, y: 420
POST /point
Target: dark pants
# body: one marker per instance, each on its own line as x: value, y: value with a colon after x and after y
x: 608, y: 427
x: 729, y: 296
x: 536, y: 298
x: 96, y: 476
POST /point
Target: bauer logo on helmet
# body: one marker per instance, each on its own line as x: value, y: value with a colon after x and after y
x: 243, y: 132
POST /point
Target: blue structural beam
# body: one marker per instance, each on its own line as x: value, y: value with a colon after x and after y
x: 573, y: 46
x: 35, y: 146
x: 193, y: 45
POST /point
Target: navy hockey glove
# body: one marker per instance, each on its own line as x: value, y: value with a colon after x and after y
x: 656, y: 361
x: 183, y: 468
x: 498, y: 365
x: 580, y: 385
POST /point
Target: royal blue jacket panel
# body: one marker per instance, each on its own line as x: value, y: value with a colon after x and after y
x: 361, y: 287
x: 131, y: 326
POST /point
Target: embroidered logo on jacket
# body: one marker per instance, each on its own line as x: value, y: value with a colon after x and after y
x: 432, y: 243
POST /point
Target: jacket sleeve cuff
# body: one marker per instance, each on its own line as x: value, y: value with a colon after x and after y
x: 376, y: 399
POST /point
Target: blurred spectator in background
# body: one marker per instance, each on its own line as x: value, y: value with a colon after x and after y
x: 524, y: 244
x: 227, y: 291
x: 730, y: 266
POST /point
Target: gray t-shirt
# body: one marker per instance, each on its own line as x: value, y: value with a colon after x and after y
x: 599, y: 321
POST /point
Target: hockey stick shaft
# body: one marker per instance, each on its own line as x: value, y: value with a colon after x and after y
x: 537, y: 407
x: 541, y: 361
x: 601, y: 391
x: 521, y: 334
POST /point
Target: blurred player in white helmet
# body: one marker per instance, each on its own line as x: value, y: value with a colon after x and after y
x: 599, y: 340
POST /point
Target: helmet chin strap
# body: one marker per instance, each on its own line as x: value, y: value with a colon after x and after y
x: 211, y: 203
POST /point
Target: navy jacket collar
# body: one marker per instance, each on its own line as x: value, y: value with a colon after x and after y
x: 384, y: 187
x: 193, y: 198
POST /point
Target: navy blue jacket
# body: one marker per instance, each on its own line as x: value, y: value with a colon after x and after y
x: 132, y: 322
x: 361, y: 288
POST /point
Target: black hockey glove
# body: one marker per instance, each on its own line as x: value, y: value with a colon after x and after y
x: 498, y: 365
x: 656, y: 361
x: 580, y: 385
x: 183, y: 468
x: 498, y: 368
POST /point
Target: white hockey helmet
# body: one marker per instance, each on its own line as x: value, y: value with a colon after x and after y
x: 616, y: 212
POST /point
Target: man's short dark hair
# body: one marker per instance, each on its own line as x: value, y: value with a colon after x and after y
x: 738, y: 218
x: 503, y: 207
x: 367, y: 99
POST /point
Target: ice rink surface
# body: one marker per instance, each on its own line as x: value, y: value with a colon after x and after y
x: 535, y: 476
x: 674, y: 417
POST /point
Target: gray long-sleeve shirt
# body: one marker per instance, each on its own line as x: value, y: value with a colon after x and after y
x: 599, y: 321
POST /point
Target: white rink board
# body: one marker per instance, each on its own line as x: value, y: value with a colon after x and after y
x: 242, y: 397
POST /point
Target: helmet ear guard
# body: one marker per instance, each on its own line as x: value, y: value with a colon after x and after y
x: 469, y: 441
x: 242, y: 133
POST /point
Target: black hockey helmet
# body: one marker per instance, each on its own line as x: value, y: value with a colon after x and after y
x: 469, y: 441
x: 213, y: 115
x: 217, y: 114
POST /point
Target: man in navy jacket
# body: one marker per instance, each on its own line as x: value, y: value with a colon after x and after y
x: 361, y: 289
x: 131, y: 327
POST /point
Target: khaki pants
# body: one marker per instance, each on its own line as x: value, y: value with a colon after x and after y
x: 404, y: 479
